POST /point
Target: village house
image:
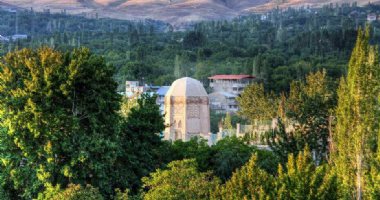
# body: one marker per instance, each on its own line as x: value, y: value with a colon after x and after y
x: 371, y: 17
x: 134, y: 89
x: 225, y: 89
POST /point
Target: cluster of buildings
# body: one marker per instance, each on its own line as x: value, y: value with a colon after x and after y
x: 225, y: 89
x: 13, y: 37
x: 222, y: 99
x: 186, y: 104
x: 373, y: 17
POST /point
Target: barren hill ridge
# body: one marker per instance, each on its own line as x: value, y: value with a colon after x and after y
x: 173, y: 11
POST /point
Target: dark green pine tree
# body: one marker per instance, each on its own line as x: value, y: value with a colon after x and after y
x: 141, y: 143
x: 358, y: 119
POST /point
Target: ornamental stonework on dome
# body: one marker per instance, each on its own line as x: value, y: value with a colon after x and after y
x: 187, y: 112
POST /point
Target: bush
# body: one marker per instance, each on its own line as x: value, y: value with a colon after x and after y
x: 72, y: 192
x: 4, y: 194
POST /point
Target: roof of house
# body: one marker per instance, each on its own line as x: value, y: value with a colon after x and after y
x: 2, y: 38
x: 162, y: 90
x: 230, y: 77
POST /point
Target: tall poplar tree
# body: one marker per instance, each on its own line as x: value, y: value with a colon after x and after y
x: 177, y: 67
x: 358, y: 118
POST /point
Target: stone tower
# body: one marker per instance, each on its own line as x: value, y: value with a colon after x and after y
x: 187, y: 111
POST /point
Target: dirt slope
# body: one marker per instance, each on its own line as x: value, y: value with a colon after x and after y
x: 176, y: 12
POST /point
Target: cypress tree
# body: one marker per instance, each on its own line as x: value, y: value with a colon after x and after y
x: 358, y: 119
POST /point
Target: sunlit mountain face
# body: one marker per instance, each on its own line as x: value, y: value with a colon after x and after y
x: 172, y: 11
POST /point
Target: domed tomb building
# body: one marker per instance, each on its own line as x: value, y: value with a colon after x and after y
x: 187, y: 111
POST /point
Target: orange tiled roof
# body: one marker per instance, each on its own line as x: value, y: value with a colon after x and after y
x: 230, y: 77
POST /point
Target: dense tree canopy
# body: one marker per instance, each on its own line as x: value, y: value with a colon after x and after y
x: 300, y: 124
x: 298, y: 179
x: 56, y: 110
x: 284, y: 45
x: 180, y: 181
x: 61, y: 124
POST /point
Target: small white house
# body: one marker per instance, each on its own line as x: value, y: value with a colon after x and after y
x: 4, y: 39
x: 371, y: 17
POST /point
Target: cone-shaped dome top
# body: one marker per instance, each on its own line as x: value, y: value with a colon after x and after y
x: 187, y: 87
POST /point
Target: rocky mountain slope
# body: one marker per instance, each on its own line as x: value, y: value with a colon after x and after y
x: 176, y: 12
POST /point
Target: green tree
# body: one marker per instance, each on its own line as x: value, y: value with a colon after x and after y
x: 141, y: 143
x: 181, y: 180
x: 202, y: 71
x: 122, y: 195
x: 284, y: 142
x: 224, y: 157
x: 72, y: 192
x: 193, y: 39
x: 58, y: 112
x: 256, y: 104
x: 248, y: 182
x: 228, y: 155
x: 126, y: 105
x: 177, y: 67
x: 196, y: 148
x: 227, y: 122
x: 303, y: 180
x: 138, y: 71
x: 311, y: 126
x: 358, y: 119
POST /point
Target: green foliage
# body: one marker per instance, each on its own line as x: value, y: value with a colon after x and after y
x: 310, y: 126
x: 227, y: 122
x: 138, y: 71
x: 284, y: 47
x: 60, y: 122
x: 284, y: 143
x: 143, y: 150
x: 268, y: 161
x: 122, y: 195
x: 196, y: 148
x: 256, y: 104
x: 181, y: 180
x: 61, y: 125
x: 303, y: 180
x: 223, y: 158
x: 73, y: 192
x: 313, y: 125
x: 193, y: 39
x: 249, y: 182
x: 300, y: 180
x: 4, y: 194
x: 373, y: 181
x: 358, y: 120
x: 57, y: 111
x: 373, y: 177
x: 126, y: 105
x: 228, y: 155
x: 217, y: 118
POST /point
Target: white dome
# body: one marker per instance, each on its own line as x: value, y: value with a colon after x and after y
x: 187, y: 87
